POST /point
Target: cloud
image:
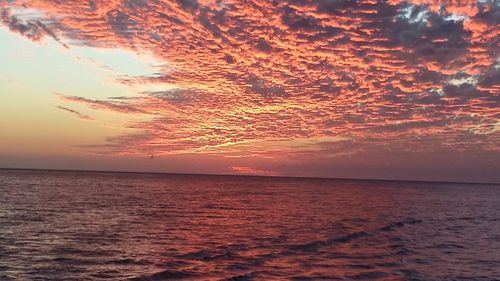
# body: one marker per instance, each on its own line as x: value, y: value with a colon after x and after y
x: 32, y: 29
x: 370, y: 71
x: 78, y: 114
x: 115, y: 106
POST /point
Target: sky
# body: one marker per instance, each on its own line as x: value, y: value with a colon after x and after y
x: 325, y: 88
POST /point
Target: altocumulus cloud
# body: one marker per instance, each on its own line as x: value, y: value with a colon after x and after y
x: 254, y: 71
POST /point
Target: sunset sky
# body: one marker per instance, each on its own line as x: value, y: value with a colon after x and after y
x: 352, y: 89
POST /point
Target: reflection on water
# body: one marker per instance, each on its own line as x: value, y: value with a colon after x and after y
x: 115, y: 226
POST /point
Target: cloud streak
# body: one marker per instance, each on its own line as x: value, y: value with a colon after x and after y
x: 78, y: 114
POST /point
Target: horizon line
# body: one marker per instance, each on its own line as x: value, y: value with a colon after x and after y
x: 243, y: 175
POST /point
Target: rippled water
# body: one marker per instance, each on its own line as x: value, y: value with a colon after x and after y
x: 116, y: 226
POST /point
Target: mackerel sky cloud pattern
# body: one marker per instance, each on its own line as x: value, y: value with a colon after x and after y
x: 293, y: 77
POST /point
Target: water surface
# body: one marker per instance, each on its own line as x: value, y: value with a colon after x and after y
x: 118, y: 226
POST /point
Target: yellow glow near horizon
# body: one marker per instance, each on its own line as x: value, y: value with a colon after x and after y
x: 31, y: 72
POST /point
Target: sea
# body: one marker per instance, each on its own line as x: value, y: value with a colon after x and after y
x: 57, y: 225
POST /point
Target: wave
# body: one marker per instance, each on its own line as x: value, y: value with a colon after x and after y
x: 395, y: 225
x: 166, y: 275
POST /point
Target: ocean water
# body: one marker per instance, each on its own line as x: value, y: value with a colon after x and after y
x: 119, y: 226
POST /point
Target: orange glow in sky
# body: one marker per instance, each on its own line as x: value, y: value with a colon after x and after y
x: 378, y: 89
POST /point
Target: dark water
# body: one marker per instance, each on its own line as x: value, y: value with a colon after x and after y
x: 91, y: 226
